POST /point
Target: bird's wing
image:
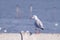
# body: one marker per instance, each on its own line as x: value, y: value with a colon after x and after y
x: 41, y: 24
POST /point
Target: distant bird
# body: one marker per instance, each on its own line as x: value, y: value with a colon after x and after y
x: 38, y: 22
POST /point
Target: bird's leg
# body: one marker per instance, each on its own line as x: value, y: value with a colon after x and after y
x: 37, y: 31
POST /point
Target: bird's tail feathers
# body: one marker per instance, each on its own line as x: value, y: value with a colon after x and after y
x: 42, y: 28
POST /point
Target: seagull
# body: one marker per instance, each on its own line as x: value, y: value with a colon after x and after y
x: 38, y: 22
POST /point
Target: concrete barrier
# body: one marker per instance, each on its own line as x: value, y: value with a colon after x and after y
x: 27, y: 36
x: 46, y: 36
x: 10, y: 36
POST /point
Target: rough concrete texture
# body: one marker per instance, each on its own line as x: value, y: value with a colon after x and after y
x: 27, y: 36
x: 10, y: 36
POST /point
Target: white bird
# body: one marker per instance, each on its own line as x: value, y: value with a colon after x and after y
x: 38, y: 22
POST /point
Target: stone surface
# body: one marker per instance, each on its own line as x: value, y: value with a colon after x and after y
x: 27, y: 36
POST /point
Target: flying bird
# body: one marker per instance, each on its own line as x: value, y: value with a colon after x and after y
x: 38, y: 22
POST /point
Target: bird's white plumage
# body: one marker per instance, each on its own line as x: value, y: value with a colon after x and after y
x: 38, y: 21
x: 0, y: 28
